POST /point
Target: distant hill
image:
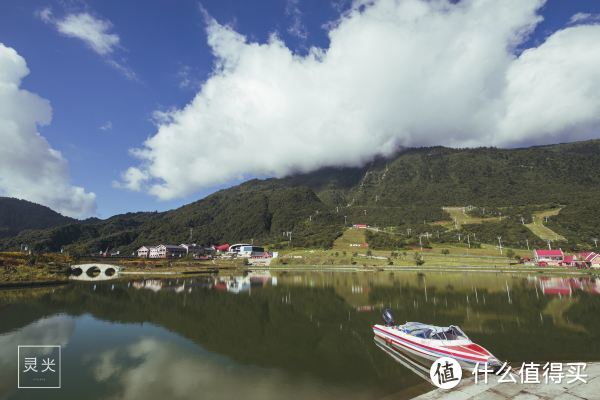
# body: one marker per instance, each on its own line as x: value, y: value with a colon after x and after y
x: 405, y: 191
x: 19, y: 215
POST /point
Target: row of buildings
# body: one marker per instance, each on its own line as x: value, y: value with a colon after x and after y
x: 173, y: 251
x: 196, y: 251
x: 584, y: 259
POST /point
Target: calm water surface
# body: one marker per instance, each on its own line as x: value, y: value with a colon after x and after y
x: 282, y: 335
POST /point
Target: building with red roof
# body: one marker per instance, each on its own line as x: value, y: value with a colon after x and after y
x: 222, y: 247
x: 590, y: 258
x: 568, y: 261
x: 548, y: 257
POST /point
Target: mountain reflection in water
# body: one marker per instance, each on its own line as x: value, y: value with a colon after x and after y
x: 279, y: 335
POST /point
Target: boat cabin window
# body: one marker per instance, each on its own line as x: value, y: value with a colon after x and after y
x: 435, y: 332
x: 422, y: 333
x: 451, y: 333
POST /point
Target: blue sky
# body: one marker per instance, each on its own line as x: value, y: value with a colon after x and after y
x: 100, y: 112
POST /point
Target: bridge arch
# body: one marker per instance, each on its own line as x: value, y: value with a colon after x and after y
x: 93, y: 271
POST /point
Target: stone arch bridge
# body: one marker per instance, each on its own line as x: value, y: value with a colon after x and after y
x: 94, y: 272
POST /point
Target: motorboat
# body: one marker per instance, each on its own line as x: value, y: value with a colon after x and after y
x: 430, y: 342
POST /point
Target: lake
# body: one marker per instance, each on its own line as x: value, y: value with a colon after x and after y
x: 274, y: 335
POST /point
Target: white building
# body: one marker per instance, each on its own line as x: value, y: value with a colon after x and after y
x: 167, y: 251
x: 144, y: 251
x: 234, y: 249
x: 251, y: 251
x: 153, y: 252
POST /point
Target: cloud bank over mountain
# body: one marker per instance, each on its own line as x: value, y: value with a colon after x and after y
x: 29, y: 167
x: 396, y: 73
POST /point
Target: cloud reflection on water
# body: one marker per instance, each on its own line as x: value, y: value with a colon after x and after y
x: 156, y: 369
x: 54, y: 330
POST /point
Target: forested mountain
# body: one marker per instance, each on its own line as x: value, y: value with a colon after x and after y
x: 18, y: 215
x: 408, y: 190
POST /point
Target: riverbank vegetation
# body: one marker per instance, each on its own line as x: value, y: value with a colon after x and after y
x: 17, y: 267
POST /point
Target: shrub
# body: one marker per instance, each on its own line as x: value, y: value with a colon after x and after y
x: 419, y: 259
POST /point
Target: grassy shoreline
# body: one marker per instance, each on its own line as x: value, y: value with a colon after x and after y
x: 23, y: 281
x: 431, y: 268
x: 20, y: 270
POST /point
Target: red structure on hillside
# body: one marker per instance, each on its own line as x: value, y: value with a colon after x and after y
x: 222, y: 247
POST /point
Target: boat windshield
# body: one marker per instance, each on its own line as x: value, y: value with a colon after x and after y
x: 424, y: 331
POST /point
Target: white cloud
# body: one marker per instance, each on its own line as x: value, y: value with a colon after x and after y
x: 340, y: 6
x: 92, y: 31
x: 45, y: 14
x: 133, y: 179
x: 160, y: 117
x: 297, y: 27
x: 187, y: 79
x: 396, y: 73
x: 584, y: 17
x: 95, y: 32
x: 107, y: 126
x: 29, y: 167
x: 122, y: 67
x: 553, y: 91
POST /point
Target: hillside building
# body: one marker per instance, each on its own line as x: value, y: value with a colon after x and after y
x: 548, y: 257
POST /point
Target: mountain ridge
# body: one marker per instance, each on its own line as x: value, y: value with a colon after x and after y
x: 407, y: 190
x: 17, y: 215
